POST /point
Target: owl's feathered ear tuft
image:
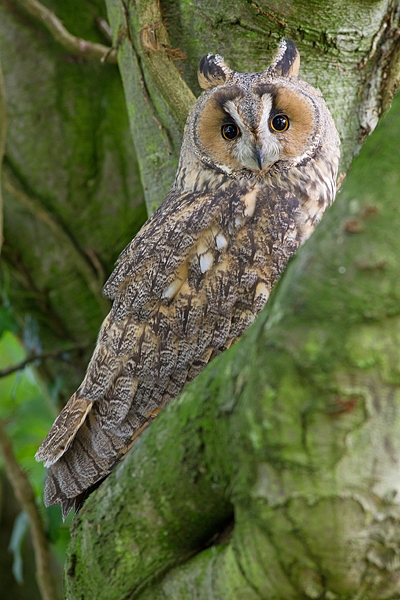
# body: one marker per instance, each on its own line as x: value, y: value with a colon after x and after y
x: 286, y: 61
x: 212, y: 71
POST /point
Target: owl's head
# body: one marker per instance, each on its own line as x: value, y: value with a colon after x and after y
x: 244, y: 123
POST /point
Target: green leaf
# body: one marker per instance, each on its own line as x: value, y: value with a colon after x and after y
x: 20, y: 528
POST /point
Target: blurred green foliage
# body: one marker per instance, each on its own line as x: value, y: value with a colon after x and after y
x: 28, y: 409
x: 21, y: 406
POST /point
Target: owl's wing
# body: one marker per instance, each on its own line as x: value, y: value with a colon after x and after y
x: 174, y: 288
x: 150, y: 262
x: 63, y: 430
x: 144, y: 271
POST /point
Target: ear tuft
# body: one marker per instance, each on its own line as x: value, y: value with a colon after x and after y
x: 212, y: 71
x: 286, y: 61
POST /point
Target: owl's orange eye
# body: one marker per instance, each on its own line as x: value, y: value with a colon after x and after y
x: 230, y: 131
x: 279, y: 123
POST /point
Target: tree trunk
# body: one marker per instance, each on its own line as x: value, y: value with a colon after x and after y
x: 355, y: 67
x: 292, y: 436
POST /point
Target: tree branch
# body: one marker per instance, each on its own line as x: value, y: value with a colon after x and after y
x: 26, y: 497
x: 159, y: 119
x: 63, y: 238
x: 22, y: 364
x: 152, y: 42
x: 71, y: 43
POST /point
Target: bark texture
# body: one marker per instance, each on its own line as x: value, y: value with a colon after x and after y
x: 348, y: 50
x: 71, y: 187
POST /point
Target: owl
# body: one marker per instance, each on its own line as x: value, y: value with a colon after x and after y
x: 257, y: 169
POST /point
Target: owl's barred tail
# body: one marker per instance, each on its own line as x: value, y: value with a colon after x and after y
x: 74, y: 475
x: 64, y: 429
x: 54, y: 495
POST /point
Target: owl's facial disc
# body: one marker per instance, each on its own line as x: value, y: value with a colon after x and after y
x: 255, y: 128
x: 268, y: 138
x: 287, y: 122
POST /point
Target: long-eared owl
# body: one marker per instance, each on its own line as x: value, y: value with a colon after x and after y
x: 257, y: 169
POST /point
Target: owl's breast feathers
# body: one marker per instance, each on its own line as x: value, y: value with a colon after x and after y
x: 184, y: 289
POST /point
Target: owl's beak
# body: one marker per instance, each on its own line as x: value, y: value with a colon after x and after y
x: 264, y: 155
x: 253, y: 157
x: 258, y: 158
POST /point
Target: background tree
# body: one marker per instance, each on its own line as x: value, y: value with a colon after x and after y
x: 275, y: 474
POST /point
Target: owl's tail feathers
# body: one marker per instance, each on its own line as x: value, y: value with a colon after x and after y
x: 90, y: 458
x: 64, y: 429
x: 53, y: 494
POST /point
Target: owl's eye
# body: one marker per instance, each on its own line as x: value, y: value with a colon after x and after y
x: 230, y: 131
x: 279, y: 123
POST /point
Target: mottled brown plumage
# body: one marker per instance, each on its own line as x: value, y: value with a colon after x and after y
x: 257, y: 169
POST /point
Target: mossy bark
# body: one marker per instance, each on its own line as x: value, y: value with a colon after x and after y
x: 348, y: 49
x: 71, y: 186
x: 3, y: 130
x: 291, y: 436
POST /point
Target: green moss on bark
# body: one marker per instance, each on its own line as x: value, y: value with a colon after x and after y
x: 71, y: 186
x: 289, y: 428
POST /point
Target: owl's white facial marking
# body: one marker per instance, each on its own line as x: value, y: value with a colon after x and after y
x: 258, y: 149
x: 244, y: 149
x: 269, y: 142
